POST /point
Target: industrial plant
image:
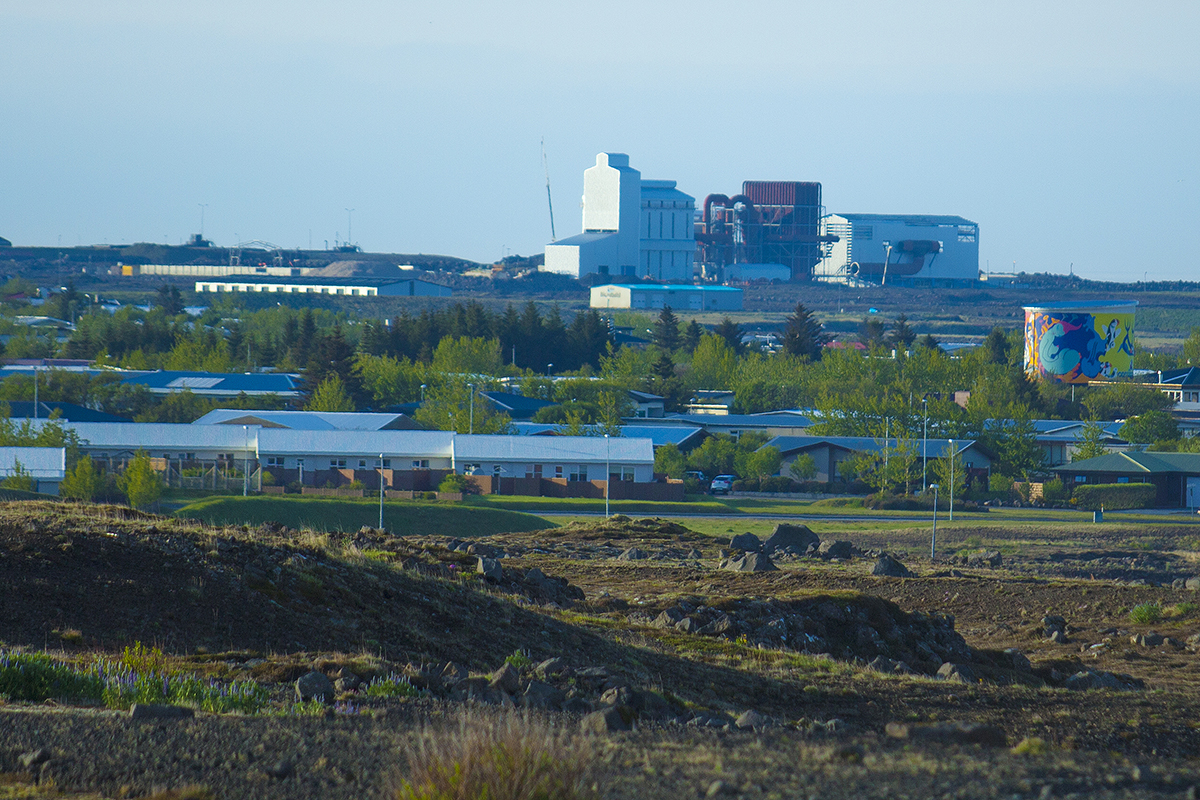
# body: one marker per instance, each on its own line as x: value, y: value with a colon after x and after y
x: 769, y: 231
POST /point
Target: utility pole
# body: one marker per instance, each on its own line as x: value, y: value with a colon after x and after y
x: 381, y: 491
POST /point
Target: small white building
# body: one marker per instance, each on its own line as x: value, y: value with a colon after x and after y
x: 651, y: 295
x: 47, y: 466
x: 631, y: 227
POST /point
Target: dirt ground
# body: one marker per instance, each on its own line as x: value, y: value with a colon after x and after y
x: 272, y: 604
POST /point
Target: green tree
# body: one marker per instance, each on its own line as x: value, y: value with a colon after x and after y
x: 732, y: 333
x: 81, y: 483
x: 1091, y: 441
x: 763, y: 462
x: 614, y: 406
x: 1191, y: 347
x: 669, y: 460
x: 1124, y: 400
x: 575, y: 424
x: 803, y: 335
x: 715, y: 456
x: 170, y: 300
x: 389, y: 381
x: 330, y: 395
x: 1149, y: 428
x: 941, y: 471
x: 872, y: 332
x: 691, y: 336
x: 464, y: 355
x: 714, y: 365
x: 929, y: 342
x: 666, y: 330
x: 140, y: 482
x: 1015, y: 444
x: 447, y: 407
x: 804, y: 468
x: 18, y: 478
x: 902, y: 335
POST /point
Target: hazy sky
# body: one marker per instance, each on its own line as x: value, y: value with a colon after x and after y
x: 1069, y: 131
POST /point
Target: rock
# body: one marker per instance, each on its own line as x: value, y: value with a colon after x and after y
x: 752, y: 720
x: 542, y: 695
x: 506, y: 679
x: 535, y: 577
x: 722, y: 624
x: 633, y: 554
x: 490, y: 569
x: 1094, y: 679
x: 346, y: 682
x: 991, y: 558
x: 314, y: 686
x: 145, y: 711
x: 453, y: 673
x: 687, y: 625
x: 607, y: 720
x: 1058, y: 637
x: 653, y: 706
x: 747, y: 542
x: 551, y: 666
x: 668, y: 619
x: 797, y: 537
x: 717, y: 788
x: 1147, y: 639
x: 1017, y: 660
x: 35, y: 758
x: 889, y: 567
x: 1192, y: 584
x: 280, y: 769
x: 956, y: 673
x: 838, y: 549
x: 617, y: 696
x: 751, y: 562
x: 949, y: 733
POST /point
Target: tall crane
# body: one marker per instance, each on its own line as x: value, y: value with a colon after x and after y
x: 546, y: 166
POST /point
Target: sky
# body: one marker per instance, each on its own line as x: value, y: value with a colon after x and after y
x: 1070, y: 131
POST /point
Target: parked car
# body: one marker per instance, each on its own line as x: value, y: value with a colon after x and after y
x: 722, y: 484
x: 693, y: 474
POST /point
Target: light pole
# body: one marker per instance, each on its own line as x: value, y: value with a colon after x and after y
x: 549, y: 367
x: 607, y: 471
x: 933, y: 541
x: 381, y: 491
x: 952, y: 480
x: 472, y: 427
x: 349, y: 226
x: 246, y: 461
x: 924, y: 440
x: 422, y: 393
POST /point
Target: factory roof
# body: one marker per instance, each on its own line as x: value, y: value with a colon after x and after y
x: 223, y: 384
x: 672, y: 287
x: 911, y: 219
x: 37, y: 462
x: 663, y: 190
x: 309, y: 420
x: 583, y: 238
x: 565, y: 449
x: 280, y: 441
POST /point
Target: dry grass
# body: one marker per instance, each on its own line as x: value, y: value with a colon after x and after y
x: 509, y: 756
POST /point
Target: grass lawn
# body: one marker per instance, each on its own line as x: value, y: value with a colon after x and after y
x: 404, y: 517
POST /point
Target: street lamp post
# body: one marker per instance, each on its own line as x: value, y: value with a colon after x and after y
x: 924, y: 441
x: 381, y: 491
x: 549, y: 369
x: 952, y: 480
x: 471, y: 429
x: 246, y: 461
x: 607, y: 471
x: 933, y: 541
x: 422, y: 393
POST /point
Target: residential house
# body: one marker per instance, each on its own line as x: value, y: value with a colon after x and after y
x: 1176, y: 476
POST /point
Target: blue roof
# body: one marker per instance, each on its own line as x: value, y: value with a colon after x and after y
x: 217, y: 383
x: 69, y: 412
x: 678, y: 435
x: 584, y: 238
x: 517, y: 406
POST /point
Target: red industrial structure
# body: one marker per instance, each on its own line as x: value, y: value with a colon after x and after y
x: 770, y: 222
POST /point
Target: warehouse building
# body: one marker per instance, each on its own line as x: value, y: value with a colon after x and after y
x: 327, y: 286
x: 652, y: 295
x: 631, y: 227
x: 900, y: 249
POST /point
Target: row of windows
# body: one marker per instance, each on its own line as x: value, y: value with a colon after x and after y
x: 360, y: 291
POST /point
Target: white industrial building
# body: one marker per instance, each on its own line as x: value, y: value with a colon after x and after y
x: 405, y: 288
x: 900, y: 249
x: 652, y: 295
x: 631, y: 227
x: 46, y: 466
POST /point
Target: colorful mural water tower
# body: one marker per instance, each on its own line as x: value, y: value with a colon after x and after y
x: 1079, y: 342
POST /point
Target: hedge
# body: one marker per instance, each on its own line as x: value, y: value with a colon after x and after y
x: 1115, y: 496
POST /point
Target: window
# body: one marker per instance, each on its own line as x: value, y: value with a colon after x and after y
x: 418, y: 463
x: 627, y: 473
x: 558, y: 471
x: 191, y: 456
x: 362, y: 463
x: 387, y: 463
x: 497, y: 469
x: 1123, y: 479
x: 471, y: 469
x: 337, y: 463
x: 275, y: 461
x: 1081, y: 478
x: 578, y: 473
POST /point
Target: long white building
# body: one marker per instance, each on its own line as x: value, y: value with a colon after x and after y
x: 631, y: 227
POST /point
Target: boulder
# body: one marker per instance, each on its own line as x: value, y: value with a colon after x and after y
x: 796, y: 537
x: 314, y: 686
x: 1193, y: 584
x: 1093, y: 679
x: 542, y: 695
x: 985, y: 558
x: 607, y: 720
x: 889, y: 567
x: 687, y: 625
x: 668, y: 619
x: 956, y: 673
x: 838, y: 549
x: 551, y: 666
x: 750, y: 562
x: 506, y: 679
x: 747, y: 542
x: 490, y: 569
x: 1017, y: 660
x: 752, y: 720
x: 633, y: 554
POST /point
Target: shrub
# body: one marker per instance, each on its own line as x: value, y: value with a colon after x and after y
x: 36, y: 677
x: 19, y: 479
x: 391, y: 685
x: 454, y: 483
x: 1115, y: 496
x: 1054, y: 491
x: 140, y: 482
x: 1146, y: 613
x: 777, y: 483
x: 507, y: 758
x: 81, y: 483
x: 268, y: 479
